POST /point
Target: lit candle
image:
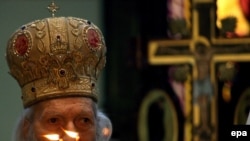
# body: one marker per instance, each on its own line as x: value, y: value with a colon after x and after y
x: 77, y: 138
x: 56, y: 137
x: 53, y: 137
x: 72, y: 134
x: 105, y: 131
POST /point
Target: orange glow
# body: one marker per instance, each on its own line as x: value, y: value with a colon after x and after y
x: 106, y: 131
x: 72, y: 134
x: 229, y: 8
x: 55, y: 137
x: 52, y: 137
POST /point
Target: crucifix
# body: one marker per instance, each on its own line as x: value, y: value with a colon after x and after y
x: 203, y: 53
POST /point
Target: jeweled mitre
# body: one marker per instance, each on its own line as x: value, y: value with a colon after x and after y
x: 56, y: 57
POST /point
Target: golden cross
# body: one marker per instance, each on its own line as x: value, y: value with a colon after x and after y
x: 53, y: 8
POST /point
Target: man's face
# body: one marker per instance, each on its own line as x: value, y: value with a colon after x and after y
x: 65, y: 114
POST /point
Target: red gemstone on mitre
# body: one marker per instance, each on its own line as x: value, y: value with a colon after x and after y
x: 93, y: 38
x: 21, y: 44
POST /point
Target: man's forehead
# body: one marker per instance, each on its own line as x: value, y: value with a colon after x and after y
x: 61, y: 104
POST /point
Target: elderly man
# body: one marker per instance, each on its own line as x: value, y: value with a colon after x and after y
x: 56, y: 62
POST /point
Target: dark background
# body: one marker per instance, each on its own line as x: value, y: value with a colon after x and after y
x: 129, y: 25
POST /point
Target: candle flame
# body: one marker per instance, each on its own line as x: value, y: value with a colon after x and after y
x: 106, y: 131
x: 71, y: 134
x: 52, y: 137
x: 56, y: 137
x: 227, y: 8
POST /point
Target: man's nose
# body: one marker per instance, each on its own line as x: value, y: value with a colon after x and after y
x: 70, y: 126
x: 70, y: 132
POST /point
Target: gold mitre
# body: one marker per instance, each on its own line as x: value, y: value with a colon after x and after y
x: 56, y: 57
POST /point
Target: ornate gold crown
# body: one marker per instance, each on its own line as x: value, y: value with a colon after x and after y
x: 56, y: 57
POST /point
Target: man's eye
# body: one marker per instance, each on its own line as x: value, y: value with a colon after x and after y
x: 85, y: 120
x: 53, y: 123
x: 53, y: 120
x: 84, y: 123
